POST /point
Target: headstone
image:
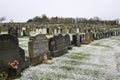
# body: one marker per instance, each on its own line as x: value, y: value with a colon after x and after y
x: 58, y: 30
x: 55, y: 30
x: 77, y: 30
x: 82, y: 37
x: 87, y: 38
x: 40, y: 30
x: 104, y: 34
x: 57, y: 45
x: 67, y: 41
x: 26, y: 31
x: 44, y: 31
x: 81, y: 30
x: 13, y: 31
x: 70, y: 30
x: 51, y: 31
x: 76, y: 40
x: 19, y: 32
x: 67, y: 30
x: 61, y: 30
x: 10, y: 52
x: 38, y: 47
x: 64, y: 31
x: 73, y: 30
x: 47, y: 31
x: 98, y: 35
x: 91, y: 36
x: 117, y: 33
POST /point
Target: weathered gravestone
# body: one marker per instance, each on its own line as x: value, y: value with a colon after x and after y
x: 101, y: 35
x: 26, y: 31
x: 91, y: 36
x: 113, y: 33
x: 13, y: 31
x: 82, y: 37
x: 44, y: 31
x: 76, y: 40
x: 67, y: 41
x: 9, y: 53
x: 38, y: 48
x: 57, y: 45
x: 77, y: 30
x: 117, y: 33
x: 19, y: 31
x: 55, y: 30
x: 97, y: 36
x: 58, y: 30
x: 88, y: 36
x: 47, y: 30
x: 104, y: 34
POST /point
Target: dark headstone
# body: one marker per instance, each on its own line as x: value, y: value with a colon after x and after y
x: 26, y: 31
x: 76, y: 40
x: 96, y: 36
x: 57, y: 45
x: 82, y: 38
x: 67, y: 41
x: 10, y: 51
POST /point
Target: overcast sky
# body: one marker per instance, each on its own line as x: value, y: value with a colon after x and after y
x: 22, y: 10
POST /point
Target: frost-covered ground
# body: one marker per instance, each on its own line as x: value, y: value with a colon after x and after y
x: 100, y: 60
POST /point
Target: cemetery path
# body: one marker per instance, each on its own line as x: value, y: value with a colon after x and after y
x: 100, y: 60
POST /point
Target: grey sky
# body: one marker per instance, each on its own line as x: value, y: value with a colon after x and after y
x: 22, y: 10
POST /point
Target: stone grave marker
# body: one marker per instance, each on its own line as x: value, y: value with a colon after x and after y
x: 87, y: 38
x: 82, y: 37
x: 38, y: 47
x: 76, y: 40
x: 13, y: 31
x: 9, y: 53
x: 67, y: 41
x: 57, y: 45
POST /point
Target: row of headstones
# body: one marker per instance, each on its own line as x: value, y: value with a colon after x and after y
x: 108, y: 34
x: 18, y: 32
x: 70, y: 30
x: 41, y: 48
x: 59, y: 30
x: 78, y: 39
x: 25, y: 31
